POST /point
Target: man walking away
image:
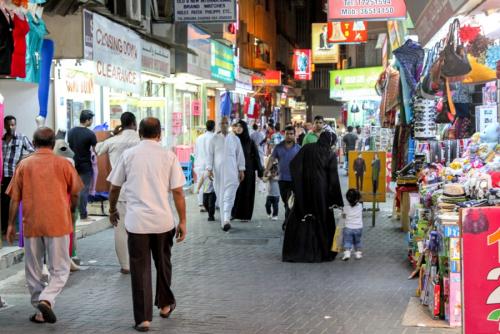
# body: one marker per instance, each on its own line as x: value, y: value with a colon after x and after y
x: 200, y: 157
x: 81, y: 140
x: 115, y: 146
x: 349, y: 141
x: 147, y: 174
x: 284, y: 154
x: 44, y: 183
x: 313, y: 136
x: 14, y: 146
x: 226, y: 166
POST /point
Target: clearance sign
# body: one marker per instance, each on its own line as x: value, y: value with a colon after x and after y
x: 116, y: 52
x: 302, y: 64
x: 375, y: 10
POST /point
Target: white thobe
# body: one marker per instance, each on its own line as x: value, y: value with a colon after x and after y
x: 200, y: 158
x: 226, y: 160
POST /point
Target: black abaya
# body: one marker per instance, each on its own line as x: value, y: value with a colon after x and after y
x: 245, y: 196
x: 311, y: 225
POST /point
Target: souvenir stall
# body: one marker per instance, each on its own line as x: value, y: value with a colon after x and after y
x: 442, y: 104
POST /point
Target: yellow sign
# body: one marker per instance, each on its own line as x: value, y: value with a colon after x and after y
x: 323, y: 52
x: 367, y: 172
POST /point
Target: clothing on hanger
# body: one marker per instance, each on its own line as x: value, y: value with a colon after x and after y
x: 18, y: 64
x: 34, y: 42
x: 7, y: 44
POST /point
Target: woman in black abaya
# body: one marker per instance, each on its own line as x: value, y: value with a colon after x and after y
x: 245, y: 196
x: 311, y: 226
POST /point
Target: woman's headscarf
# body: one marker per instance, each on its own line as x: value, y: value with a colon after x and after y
x: 327, y: 139
x: 245, y: 135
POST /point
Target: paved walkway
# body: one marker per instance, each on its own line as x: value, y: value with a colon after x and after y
x: 236, y: 283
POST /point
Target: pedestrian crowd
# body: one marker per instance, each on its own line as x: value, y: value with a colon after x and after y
x: 48, y: 181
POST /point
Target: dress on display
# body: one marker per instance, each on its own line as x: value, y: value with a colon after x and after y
x: 7, y: 44
x: 18, y: 66
x: 34, y: 51
x: 310, y: 227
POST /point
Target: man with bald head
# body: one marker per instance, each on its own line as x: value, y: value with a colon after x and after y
x: 226, y: 166
x: 147, y: 173
x: 48, y: 186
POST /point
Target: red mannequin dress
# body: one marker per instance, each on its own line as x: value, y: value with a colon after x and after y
x: 18, y: 65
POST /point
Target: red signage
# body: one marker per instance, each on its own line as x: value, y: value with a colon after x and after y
x: 196, y: 108
x: 375, y: 10
x: 302, y: 64
x: 270, y: 78
x: 481, y: 270
x: 348, y: 32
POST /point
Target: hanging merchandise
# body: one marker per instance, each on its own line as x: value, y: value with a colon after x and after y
x: 6, y: 41
x: 1, y: 117
x: 455, y: 63
x: 34, y: 40
x: 43, y: 88
x: 21, y: 29
x: 493, y: 56
x: 424, y: 126
x: 225, y: 105
x: 410, y: 59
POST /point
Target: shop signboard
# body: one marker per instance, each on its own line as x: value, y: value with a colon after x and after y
x: 222, y: 63
x: 341, y: 10
x: 243, y: 81
x: 155, y: 59
x: 302, y: 64
x: 356, y: 82
x: 485, y: 115
x: 367, y: 173
x: 199, y: 41
x: 481, y: 270
x: 348, y: 32
x: 269, y: 79
x: 189, y: 11
x: 323, y: 52
x: 116, y: 52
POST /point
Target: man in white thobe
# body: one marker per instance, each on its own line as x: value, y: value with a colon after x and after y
x: 226, y: 165
x: 115, y: 146
x: 200, y: 157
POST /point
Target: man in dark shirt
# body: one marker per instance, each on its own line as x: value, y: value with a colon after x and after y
x: 359, y: 170
x: 284, y: 153
x: 15, y: 146
x: 349, y: 141
x: 82, y: 140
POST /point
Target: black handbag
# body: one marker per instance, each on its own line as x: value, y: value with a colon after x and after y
x: 455, y: 64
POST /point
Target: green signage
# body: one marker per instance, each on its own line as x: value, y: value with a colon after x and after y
x: 352, y: 82
x: 222, y: 63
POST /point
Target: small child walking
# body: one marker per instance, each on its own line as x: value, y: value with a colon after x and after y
x: 353, y: 217
x: 209, y: 197
x: 273, y: 193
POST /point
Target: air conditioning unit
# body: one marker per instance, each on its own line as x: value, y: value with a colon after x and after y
x: 133, y: 8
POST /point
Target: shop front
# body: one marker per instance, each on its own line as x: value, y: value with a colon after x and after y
x: 446, y: 163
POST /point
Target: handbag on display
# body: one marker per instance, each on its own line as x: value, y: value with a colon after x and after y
x: 448, y: 111
x: 455, y: 62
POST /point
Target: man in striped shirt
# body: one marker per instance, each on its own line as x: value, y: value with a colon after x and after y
x: 14, y: 147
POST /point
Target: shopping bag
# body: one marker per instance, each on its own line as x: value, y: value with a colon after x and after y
x: 337, y: 245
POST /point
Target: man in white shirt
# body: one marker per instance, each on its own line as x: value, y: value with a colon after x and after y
x: 115, y: 146
x: 148, y: 174
x: 200, y: 157
x: 226, y: 166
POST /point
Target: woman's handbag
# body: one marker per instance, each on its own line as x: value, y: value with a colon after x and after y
x: 455, y: 63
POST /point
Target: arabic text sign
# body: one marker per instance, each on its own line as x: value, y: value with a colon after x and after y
x: 155, y: 59
x: 339, y: 10
x: 198, y: 11
x: 222, y: 63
